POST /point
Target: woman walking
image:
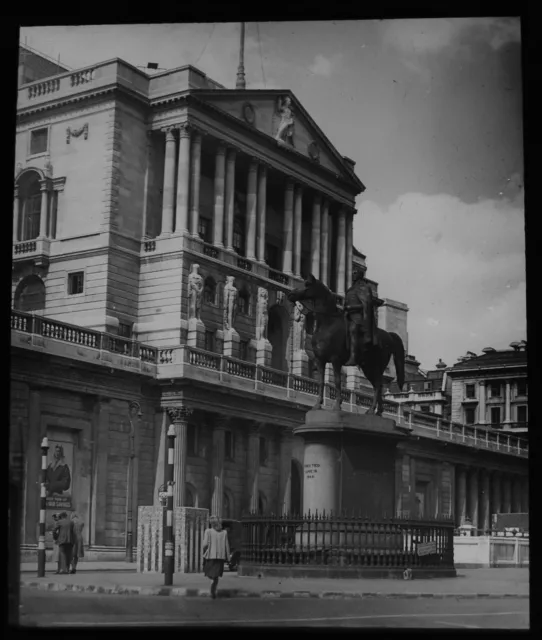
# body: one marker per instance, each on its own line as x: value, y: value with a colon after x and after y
x: 78, y: 548
x: 216, y: 551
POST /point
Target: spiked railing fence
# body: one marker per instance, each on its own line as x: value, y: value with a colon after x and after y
x: 320, y: 539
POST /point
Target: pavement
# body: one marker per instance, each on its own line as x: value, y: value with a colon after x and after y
x: 70, y: 609
x: 116, y: 578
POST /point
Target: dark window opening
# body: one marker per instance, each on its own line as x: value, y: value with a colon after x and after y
x: 244, y: 302
x: 263, y: 451
x: 522, y: 387
x: 38, y: 141
x: 495, y: 415
x: 229, y: 448
x: 191, y: 440
x: 209, y: 340
x: 469, y: 391
x: 209, y: 290
x: 125, y: 330
x: 425, y: 408
x: 496, y: 390
x: 522, y: 413
x: 428, y: 386
x: 243, y: 350
x: 469, y: 416
x: 272, y: 256
x: 204, y: 229
x: 238, y: 237
x: 76, y: 283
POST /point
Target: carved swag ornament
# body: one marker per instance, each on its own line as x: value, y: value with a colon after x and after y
x: 77, y: 132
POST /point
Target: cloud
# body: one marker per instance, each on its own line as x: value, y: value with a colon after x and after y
x: 430, y: 35
x: 459, y: 267
x: 323, y: 66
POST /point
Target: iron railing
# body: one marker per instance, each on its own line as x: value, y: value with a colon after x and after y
x: 319, y: 540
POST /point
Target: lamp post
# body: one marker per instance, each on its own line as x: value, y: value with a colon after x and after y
x: 168, y: 531
x: 41, y: 540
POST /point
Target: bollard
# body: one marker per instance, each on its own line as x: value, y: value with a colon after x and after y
x: 43, y: 494
x: 169, y: 562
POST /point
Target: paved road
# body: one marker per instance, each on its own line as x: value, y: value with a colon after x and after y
x: 45, y: 608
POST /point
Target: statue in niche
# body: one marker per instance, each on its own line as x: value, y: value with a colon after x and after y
x: 285, y: 131
x: 195, y: 291
x: 262, y: 315
x: 299, y: 327
x: 231, y: 296
x: 48, y: 167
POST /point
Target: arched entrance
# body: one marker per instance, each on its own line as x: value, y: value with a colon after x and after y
x: 277, y: 332
x: 30, y: 294
x: 295, y: 488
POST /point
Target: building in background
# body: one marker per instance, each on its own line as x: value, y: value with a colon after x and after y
x: 159, y: 222
x: 491, y: 388
x: 34, y: 65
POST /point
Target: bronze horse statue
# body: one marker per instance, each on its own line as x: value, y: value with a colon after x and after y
x: 330, y: 344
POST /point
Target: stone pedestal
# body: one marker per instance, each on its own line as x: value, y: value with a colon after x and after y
x: 300, y: 363
x: 341, y: 453
x: 264, y: 351
x: 231, y: 343
x: 196, y: 333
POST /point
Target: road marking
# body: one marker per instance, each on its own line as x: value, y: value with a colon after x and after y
x: 273, y: 620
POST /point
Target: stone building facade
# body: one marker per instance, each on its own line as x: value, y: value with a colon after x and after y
x: 159, y: 223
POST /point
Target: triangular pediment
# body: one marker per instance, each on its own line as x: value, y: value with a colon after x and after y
x: 287, y: 122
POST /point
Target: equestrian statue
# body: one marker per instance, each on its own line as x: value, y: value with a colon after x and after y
x: 350, y: 337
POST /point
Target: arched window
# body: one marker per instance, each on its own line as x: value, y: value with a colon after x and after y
x: 30, y: 294
x: 244, y: 302
x: 29, y: 206
x: 209, y: 290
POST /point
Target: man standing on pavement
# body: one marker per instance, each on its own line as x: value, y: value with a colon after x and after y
x: 78, y: 548
x: 66, y: 538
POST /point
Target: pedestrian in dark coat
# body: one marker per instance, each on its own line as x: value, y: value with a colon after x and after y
x: 66, y: 539
x: 216, y: 551
x: 78, y: 550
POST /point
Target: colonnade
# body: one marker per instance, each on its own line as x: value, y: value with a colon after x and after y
x: 181, y: 209
x: 481, y: 492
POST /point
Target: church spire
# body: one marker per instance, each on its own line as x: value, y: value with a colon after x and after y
x: 241, y: 84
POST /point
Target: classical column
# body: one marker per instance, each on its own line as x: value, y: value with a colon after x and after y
x: 507, y: 402
x: 16, y: 214
x: 482, y: 401
x: 324, y: 244
x: 262, y: 210
x: 218, y: 223
x: 251, y: 209
x: 315, y: 236
x: 285, y: 471
x: 341, y: 253
x: 485, y: 511
x: 288, y: 227
x: 253, y: 467
x: 230, y: 190
x: 298, y: 226
x: 525, y: 495
x: 496, y: 494
x: 329, y: 246
x: 349, y: 251
x: 219, y: 429
x: 473, y: 497
x: 461, y: 510
x: 168, y: 194
x: 195, y: 183
x: 516, y: 495
x: 179, y: 417
x: 44, y: 209
x: 146, y: 185
x: 183, y: 180
x: 507, y: 495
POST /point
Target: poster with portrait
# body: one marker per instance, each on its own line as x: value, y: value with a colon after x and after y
x: 59, y: 476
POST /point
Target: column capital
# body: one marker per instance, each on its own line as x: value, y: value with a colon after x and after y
x: 263, y: 167
x: 45, y: 184
x: 169, y: 131
x: 185, y: 129
x: 290, y: 184
x: 253, y: 164
x: 179, y: 414
x: 221, y: 148
x: 255, y: 428
x: 221, y: 423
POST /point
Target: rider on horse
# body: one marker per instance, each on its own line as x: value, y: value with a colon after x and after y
x: 361, y: 308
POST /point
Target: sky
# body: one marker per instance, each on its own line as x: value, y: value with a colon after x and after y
x: 431, y: 112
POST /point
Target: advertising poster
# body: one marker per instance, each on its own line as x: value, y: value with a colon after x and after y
x: 59, y: 475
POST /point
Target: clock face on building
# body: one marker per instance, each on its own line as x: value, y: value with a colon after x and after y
x: 248, y: 113
x: 314, y: 151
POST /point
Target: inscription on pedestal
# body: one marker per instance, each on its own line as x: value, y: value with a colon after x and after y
x: 311, y: 470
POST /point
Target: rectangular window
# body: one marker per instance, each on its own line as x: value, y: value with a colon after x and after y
x: 272, y: 256
x: 229, y: 445
x: 425, y: 408
x: 38, y: 141
x: 469, y: 391
x: 522, y: 388
x: 76, y: 283
x: 209, y: 341
x: 263, y: 451
x: 495, y: 389
x: 428, y: 386
x: 522, y: 413
x: 469, y: 416
x: 243, y: 350
x: 191, y: 441
x: 495, y: 415
x: 204, y: 229
x: 125, y: 330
